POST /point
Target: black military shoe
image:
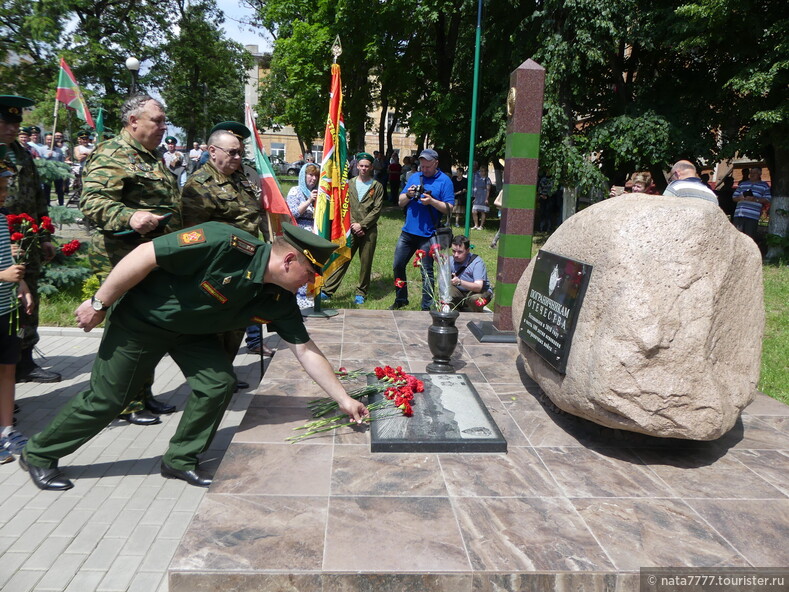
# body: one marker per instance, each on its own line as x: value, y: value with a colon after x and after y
x: 35, y: 373
x: 194, y: 477
x: 142, y: 418
x: 46, y: 479
x: 158, y: 407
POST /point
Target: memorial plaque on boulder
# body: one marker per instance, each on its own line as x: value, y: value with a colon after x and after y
x: 555, y: 295
x: 449, y: 416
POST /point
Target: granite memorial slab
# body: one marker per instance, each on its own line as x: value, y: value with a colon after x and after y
x: 449, y: 416
x: 555, y: 295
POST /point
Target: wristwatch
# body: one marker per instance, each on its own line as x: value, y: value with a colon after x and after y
x: 97, y: 304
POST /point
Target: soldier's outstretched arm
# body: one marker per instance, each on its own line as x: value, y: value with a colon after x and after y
x: 318, y: 367
x: 129, y: 272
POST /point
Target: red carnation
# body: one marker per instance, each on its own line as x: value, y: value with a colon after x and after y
x: 379, y: 372
x: 480, y: 302
x: 434, y: 248
x: 407, y: 411
x: 17, y: 236
x: 399, y: 283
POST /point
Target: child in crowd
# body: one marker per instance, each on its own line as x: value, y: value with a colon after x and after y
x: 11, y: 441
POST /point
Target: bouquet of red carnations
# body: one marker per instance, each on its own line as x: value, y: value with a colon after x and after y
x: 26, y: 234
x: 398, y: 389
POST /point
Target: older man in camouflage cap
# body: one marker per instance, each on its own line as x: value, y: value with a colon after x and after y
x: 168, y: 296
x: 130, y: 196
x: 26, y: 195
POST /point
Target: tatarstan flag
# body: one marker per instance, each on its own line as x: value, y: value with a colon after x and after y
x: 271, y: 199
x: 70, y: 95
x: 332, y: 211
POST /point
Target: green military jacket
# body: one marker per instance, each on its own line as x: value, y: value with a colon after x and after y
x: 366, y: 212
x: 210, y: 278
x: 120, y: 178
x: 25, y: 194
x: 210, y: 195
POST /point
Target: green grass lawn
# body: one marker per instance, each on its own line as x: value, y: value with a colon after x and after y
x: 59, y: 310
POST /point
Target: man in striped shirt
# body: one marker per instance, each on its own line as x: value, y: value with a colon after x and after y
x: 685, y: 183
x: 750, y: 196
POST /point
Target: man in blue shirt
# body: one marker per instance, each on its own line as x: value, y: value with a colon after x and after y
x: 424, y: 210
x: 470, y: 286
x: 750, y: 196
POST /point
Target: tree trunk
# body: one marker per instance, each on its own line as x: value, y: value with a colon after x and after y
x: 779, y: 207
x: 382, y: 123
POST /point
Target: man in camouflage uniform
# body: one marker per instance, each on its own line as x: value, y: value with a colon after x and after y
x: 25, y: 195
x: 131, y: 197
x: 220, y: 192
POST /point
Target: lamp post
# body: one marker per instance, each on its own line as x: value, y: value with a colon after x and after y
x: 133, y: 66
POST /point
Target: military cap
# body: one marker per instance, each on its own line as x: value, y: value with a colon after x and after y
x: 83, y: 134
x: 170, y: 140
x: 33, y: 129
x: 364, y: 156
x: 315, y: 248
x: 239, y: 130
x: 11, y: 107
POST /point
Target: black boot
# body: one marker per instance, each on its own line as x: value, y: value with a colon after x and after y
x: 28, y: 371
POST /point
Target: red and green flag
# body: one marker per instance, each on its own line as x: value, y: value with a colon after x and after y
x: 271, y: 199
x: 332, y: 211
x: 70, y: 95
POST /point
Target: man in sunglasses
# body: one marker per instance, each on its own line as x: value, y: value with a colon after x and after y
x: 221, y: 192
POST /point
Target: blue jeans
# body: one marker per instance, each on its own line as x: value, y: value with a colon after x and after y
x: 407, y: 245
x: 254, y: 336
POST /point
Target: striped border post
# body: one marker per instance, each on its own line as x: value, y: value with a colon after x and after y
x: 524, y: 110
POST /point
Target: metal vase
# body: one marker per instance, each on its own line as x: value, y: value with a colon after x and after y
x: 442, y: 338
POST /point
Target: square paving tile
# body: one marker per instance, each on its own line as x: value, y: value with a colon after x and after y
x: 380, y: 534
x: 639, y: 533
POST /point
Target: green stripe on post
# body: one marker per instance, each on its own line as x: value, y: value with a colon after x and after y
x: 521, y: 145
x: 516, y: 246
x: 520, y: 197
x: 505, y: 294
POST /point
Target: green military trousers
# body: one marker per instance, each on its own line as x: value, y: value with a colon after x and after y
x: 365, y: 245
x: 130, y: 349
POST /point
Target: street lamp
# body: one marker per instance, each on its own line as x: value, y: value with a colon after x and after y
x: 133, y: 66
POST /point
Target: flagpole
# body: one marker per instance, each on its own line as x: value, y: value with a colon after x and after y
x: 316, y: 310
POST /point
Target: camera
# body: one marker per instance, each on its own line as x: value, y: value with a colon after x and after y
x: 418, y: 191
x: 748, y: 193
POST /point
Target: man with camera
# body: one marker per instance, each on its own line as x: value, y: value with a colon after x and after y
x: 750, y: 197
x: 428, y: 196
x: 685, y: 183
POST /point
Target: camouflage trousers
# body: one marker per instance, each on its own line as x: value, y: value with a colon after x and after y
x: 28, y: 323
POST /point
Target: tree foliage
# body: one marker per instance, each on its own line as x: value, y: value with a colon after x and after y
x: 202, y: 78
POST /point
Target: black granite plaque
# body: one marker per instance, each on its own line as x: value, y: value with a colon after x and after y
x: 448, y: 417
x: 556, y: 293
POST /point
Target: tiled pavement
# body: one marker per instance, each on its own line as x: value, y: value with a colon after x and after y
x: 120, y: 525
x: 568, y: 498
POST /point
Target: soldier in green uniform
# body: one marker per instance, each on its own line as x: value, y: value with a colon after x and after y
x: 220, y: 191
x: 171, y: 296
x: 26, y: 195
x: 131, y: 197
x: 366, y: 199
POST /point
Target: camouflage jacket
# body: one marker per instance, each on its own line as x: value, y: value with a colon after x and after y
x: 209, y: 195
x: 120, y: 178
x: 25, y: 194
